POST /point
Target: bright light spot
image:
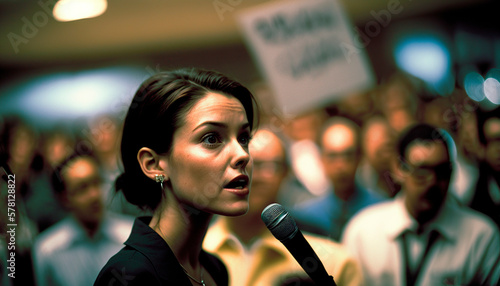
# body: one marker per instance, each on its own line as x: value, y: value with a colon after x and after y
x: 426, y: 58
x: 71, y: 10
x: 473, y: 84
x: 65, y: 97
x: 492, y: 90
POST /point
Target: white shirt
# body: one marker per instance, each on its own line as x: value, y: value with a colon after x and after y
x: 466, y: 252
x: 65, y: 255
x: 463, y: 180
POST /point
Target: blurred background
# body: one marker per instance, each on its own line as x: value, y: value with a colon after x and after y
x: 52, y: 69
x: 69, y: 68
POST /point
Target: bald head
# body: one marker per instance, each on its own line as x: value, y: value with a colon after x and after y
x: 340, y: 152
x: 339, y: 126
x: 269, y: 169
x: 378, y: 143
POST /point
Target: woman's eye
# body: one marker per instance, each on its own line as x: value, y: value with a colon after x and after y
x: 211, y: 140
x: 244, y: 139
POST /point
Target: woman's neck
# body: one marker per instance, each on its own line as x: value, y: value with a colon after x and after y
x: 183, y: 228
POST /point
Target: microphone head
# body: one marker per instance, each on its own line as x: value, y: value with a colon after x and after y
x: 279, y: 222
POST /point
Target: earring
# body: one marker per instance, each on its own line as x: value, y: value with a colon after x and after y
x: 159, y: 179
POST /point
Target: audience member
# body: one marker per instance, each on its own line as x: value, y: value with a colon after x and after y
x: 422, y: 237
x: 487, y: 195
x: 17, y: 151
x: 252, y: 255
x: 398, y: 102
x: 306, y: 180
x: 438, y: 112
x: 19, y: 140
x: 41, y: 202
x: 105, y: 135
x: 73, y: 251
x: 57, y: 145
x: 357, y: 106
x: 375, y: 170
x: 304, y: 154
x: 340, y: 145
x: 450, y: 114
x: 17, y: 232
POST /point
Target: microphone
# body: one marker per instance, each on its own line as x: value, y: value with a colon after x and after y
x: 281, y: 224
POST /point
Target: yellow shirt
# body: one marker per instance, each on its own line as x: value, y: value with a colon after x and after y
x: 268, y: 262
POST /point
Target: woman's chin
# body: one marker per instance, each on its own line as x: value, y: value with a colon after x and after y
x: 235, y: 210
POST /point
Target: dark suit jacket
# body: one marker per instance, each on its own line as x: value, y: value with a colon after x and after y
x: 148, y: 260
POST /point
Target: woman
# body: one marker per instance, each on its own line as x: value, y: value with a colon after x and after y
x: 185, y: 156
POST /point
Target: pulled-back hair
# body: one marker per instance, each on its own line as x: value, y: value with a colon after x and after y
x: 158, y: 109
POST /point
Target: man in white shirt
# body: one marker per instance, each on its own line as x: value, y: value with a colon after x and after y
x: 422, y: 237
x: 73, y: 251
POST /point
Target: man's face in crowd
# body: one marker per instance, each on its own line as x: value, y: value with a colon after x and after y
x: 83, y: 190
x: 427, y: 173
x: 340, y: 156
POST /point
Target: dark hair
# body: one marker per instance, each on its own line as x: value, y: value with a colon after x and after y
x: 163, y: 100
x: 10, y: 126
x: 421, y: 132
x: 482, y: 117
x: 57, y: 178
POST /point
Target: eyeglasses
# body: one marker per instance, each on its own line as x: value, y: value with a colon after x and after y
x: 346, y: 155
x: 441, y: 171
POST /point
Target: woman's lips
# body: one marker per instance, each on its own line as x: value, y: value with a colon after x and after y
x: 239, y: 185
x: 240, y: 192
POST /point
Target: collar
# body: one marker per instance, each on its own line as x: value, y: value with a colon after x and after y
x: 445, y: 223
x: 146, y: 241
x: 220, y: 237
x: 75, y: 231
x: 112, y: 228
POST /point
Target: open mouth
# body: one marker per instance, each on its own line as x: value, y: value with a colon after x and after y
x: 239, y: 182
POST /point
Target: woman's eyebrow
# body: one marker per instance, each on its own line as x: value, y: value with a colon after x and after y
x: 218, y: 124
x: 212, y: 123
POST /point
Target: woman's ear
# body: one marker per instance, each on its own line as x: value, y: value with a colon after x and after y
x: 152, y: 164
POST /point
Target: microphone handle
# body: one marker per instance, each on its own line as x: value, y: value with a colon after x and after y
x: 308, y: 260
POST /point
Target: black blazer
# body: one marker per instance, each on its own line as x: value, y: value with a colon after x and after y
x: 147, y: 259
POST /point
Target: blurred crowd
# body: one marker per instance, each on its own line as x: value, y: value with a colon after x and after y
x: 328, y: 166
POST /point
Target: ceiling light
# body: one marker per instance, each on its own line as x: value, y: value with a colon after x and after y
x: 71, y: 10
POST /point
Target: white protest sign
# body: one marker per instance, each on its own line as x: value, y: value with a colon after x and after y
x: 303, y: 48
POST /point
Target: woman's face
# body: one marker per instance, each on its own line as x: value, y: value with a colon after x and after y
x: 208, y: 166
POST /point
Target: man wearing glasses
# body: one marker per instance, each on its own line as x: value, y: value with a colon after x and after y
x: 423, y: 237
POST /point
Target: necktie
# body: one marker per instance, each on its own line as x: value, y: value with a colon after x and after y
x: 412, y: 274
